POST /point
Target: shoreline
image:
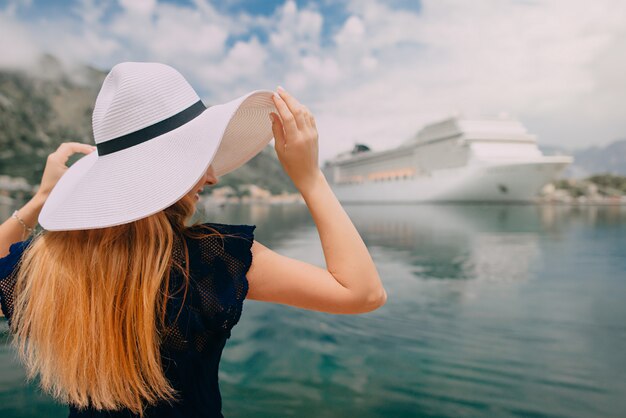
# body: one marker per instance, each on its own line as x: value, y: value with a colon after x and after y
x: 564, y: 192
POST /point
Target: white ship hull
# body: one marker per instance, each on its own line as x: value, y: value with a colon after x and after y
x: 450, y: 161
x: 518, y: 182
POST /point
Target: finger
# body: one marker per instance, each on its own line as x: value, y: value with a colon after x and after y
x: 67, y: 149
x: 277, y: 129
x: 74, y: 147
x: 288, y: 121
x: 295, y: 107
x: 306, y: 116
x: 312, y: 121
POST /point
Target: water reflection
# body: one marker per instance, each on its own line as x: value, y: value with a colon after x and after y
x: 454, y: 242
x: 493, y: 311
x: 275, y: 223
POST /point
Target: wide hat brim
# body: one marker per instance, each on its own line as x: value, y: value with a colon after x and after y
x: 131, y: 184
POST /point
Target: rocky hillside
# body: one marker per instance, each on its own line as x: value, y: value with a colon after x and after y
x: 49, y: 105
x: 38, y: 111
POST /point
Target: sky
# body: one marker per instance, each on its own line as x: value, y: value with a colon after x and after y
x: 371, y: 71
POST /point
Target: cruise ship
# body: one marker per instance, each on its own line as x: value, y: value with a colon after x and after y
x: 454, y: 160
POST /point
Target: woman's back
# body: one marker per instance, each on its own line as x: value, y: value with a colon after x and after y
x: 199, y: 321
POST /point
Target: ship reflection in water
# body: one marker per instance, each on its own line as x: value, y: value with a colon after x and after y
x: 453, y: 242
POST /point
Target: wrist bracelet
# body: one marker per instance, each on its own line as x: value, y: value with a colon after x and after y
x: 26, y: 228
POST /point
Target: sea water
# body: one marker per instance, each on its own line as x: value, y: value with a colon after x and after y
x: 492, y: 311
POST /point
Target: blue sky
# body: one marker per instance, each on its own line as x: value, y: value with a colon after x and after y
x: 334, y: 12
x: 372, y: 71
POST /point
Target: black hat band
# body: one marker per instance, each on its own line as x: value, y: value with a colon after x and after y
x: 152, y: 131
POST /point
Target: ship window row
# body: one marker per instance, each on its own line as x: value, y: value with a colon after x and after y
x: 403, y: 177
x: 403, y: 174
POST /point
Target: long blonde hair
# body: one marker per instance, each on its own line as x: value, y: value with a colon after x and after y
x: 89, y: 310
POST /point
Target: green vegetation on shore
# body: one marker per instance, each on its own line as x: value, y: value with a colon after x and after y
x: 600, y: 185
x: 609, y: 184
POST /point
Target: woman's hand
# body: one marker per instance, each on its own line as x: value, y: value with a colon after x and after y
x: 295, y: 140
x: 55, y: 166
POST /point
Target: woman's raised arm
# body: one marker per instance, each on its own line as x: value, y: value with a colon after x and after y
x: 11, y: 230
x: 350, y: 283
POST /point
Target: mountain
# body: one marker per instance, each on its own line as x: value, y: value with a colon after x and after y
x: 39, y: 110
x: 50, y: 104
x: 610, y: 159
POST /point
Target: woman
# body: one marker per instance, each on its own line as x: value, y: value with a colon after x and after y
x: 121, y: 309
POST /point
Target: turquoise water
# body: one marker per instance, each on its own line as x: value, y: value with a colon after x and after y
x: 493, y: 311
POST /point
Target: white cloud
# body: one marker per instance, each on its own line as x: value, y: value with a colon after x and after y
x: 352, y: 31
x: 138, y: 6
x: 534, y: 60
x: 245, y: 60
x: 90, y: 11
x: 383, y: 72
x: 17, y: 48
x: 295, y: 31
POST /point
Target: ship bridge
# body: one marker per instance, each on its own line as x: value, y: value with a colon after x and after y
x: 485, y: 138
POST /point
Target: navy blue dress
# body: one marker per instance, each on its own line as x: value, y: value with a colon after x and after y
x: 197, y: 329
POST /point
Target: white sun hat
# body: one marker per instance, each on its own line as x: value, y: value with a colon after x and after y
x: 155, y: 140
